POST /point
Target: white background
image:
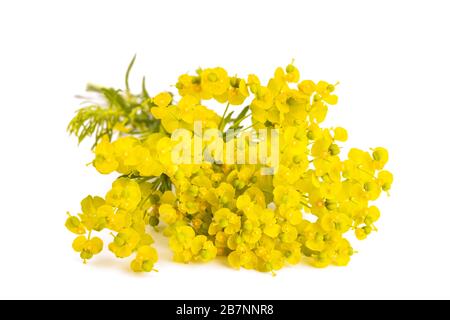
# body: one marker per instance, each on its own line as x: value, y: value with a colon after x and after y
x: 392, y: 61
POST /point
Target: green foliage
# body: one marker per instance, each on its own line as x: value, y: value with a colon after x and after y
x: 116, y: 113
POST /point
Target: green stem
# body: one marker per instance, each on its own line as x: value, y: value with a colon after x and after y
x: 240, y: 120
x: 251, y: 126
x: 223, y: 117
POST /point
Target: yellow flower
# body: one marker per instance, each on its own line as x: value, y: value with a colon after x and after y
x: 123, y: 150
x: 150, y: 166
x: 272, y: 261
x: 163, y: 99
x: 253, y: 83
x: 223, y: 195
x: 263, y: 98
x: 190, y: 85
x: 238, y: 91
x: 105, y: 161
x: 318, y: 111
x: 343, y: 252
x: 292, y: 73
x: 146, y: 257
x: 373, y: 214
x: 315, y: 238
x: 362, y: 233
x: 289, y: 233
x: 224, y: 219
x: 120, y: 220
x: 95, y: 213
x: 169, y: 117
x: 321, y: 259
x: 242, y: 258
x: 340, y: 134
x: 168, y: 214
x: 385, y: 179
x: 125, y: 194
x: 292, y: 102
x: 251, y: 232
x: 373, y: 190
x: 87, y: 247
x: 186, y: 108
x: 334, y: 221
x: 136, y: 156
x: 187, y: 247
x: 73, y: 224
x: 278, y: 83
x: 214, y: 80
x: 292, y: 252
x: 124, y: 243
x: 203, y: 249
x: 380, y: 156
x: 324, y: 90
x: 307, y: 87
x: 285, y: 195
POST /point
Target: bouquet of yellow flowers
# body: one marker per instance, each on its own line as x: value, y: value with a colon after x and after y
x: 260, y: 183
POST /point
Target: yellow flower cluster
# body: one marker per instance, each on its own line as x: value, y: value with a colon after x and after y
x: 258, y: 221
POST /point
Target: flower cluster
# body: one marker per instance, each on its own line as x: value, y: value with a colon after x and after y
x: 301, y: 211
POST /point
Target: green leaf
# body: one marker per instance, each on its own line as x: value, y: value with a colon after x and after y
x: 94, y: 88
x: 115, y: 99
x: 127, y: 75
x: 242, y: 114
x: 166, y: 184
x: 93, y: 120
x: 145, y: 94
x: 227, y: 118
